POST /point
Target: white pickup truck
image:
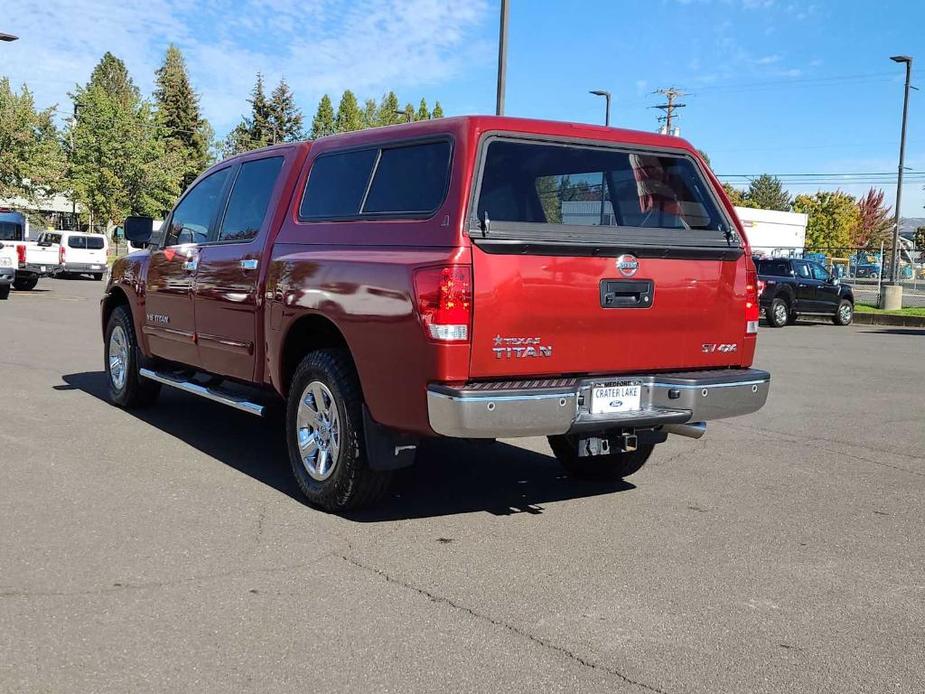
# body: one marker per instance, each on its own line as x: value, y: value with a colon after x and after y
x: 7, y: 268
x: 34, y: 259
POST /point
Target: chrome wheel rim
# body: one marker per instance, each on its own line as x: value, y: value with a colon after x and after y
x: 780, y: 313
x: 844, y: 313
x: 318, y: 431
x: 118, y: 357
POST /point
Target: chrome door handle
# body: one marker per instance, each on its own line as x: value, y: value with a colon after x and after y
x: 191, y: 262
x: 249, y: 264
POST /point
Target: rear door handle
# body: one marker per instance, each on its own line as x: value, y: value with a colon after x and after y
x: 249, y: 264
x: 191, y: 262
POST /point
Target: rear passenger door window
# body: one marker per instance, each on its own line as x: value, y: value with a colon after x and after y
x: 249, y: 199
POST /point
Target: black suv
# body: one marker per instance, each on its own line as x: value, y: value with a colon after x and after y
x: 794, y: 287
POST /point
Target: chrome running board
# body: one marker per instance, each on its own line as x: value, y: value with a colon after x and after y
x: 202, y: 391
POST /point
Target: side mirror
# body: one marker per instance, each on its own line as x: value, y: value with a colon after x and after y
x: 138, y: 230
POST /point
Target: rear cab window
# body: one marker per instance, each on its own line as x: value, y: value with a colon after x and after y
x: 775, y: 268
x: 595, y: 193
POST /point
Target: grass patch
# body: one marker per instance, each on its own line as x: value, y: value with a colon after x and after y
x: 910, y: 311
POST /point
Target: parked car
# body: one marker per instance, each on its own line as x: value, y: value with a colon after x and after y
x: 7, y: 268
x: 793, y: 287
x: 83, y: 254
x: 33, y: 259
x: 418, y: 280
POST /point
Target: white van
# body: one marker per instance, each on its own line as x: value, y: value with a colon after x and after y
x: 83, y: 254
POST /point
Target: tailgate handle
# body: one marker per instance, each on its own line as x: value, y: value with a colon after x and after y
x: 627, y: 293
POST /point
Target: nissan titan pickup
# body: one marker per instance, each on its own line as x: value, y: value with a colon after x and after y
x: 473, y: 278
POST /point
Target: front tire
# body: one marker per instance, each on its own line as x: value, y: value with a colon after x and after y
x: 612, y: 466
x: 126, y: 386
x: 25, y: 284
x: 324, y: 434
x: 778, y: 313
x: 844, y: 315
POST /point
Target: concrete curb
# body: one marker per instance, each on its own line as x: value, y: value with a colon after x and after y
x: 887, y: 319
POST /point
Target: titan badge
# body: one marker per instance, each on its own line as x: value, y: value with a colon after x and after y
x: 520, y: 347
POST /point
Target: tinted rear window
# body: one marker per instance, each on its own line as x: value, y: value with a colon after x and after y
x: 563, y: 185
x: 403, y: 180
x: 409, y: 179
x: 76, y: 242
x: 94, y: 243
x: 10, y: 231
x: 776, y: 268
x: 336, y: 185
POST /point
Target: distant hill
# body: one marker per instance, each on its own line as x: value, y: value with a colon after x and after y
x: 909, y: 224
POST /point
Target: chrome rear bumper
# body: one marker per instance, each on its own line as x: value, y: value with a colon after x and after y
x: 560, y: 406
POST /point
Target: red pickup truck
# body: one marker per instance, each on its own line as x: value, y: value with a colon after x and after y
x: 473, y: 277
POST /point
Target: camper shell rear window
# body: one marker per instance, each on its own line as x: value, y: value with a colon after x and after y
x: 595, y: 193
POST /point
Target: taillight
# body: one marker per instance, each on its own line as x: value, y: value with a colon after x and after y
x: 60, y: 255
x: 21, y: 254
x: 444, y: 301
x: 753, y: 288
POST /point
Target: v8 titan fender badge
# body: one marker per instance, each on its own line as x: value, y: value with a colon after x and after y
x: 627, y: 264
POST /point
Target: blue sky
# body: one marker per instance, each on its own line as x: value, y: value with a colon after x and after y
x: 775, y: 85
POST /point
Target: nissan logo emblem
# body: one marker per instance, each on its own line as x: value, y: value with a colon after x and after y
x: 627, y: 264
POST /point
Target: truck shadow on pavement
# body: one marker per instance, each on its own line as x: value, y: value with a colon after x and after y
x: 448, y: 477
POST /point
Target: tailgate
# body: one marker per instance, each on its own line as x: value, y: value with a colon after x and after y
x: 650, y: 278
x: 542, y: 315
x: 41, y: 255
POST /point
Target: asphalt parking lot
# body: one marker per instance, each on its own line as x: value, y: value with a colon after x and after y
x: 168, y: 550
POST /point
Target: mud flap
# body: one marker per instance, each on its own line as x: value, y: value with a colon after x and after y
x: 387, y: 449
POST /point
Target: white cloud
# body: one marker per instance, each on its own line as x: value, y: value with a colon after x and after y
x: 318, y: 45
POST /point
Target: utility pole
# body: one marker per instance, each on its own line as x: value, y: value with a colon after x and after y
x: 892, y: 296
x: 606, y: 95
x: 671, y: 95
x: 502, y: 59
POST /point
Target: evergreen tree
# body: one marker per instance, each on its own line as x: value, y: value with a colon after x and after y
x: 31, y: 159
x: 323, y: 122
x: 767, y: 193
x: 119, y: 164
x: 370, y: 114
x: 408, y: 116
x: 423, y: 113
x: 285, y: 118
x: 177, y: 108
x: 349, y: 117
x: 388, y: 112
x: 438, y: 111
x: 256, y: 131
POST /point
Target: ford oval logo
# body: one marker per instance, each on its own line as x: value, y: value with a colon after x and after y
x: 616, y: 403
x: 627, y: 264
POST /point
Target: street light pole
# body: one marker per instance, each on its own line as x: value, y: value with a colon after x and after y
x: 894, y: 269
x: 606, y: 95
x: 502, y: 60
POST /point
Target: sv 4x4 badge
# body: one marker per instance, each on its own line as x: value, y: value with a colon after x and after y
x: 520, y: 347
x: 710, y: 347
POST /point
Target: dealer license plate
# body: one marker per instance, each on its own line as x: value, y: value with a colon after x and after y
x: 94, y: 267
x: 607, y: 399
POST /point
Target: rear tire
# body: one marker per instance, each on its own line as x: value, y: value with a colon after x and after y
x: 126, y: 387
x: 778, y: 313
x: 324, y: 434
x: 844, y: 314
x: 98, y: 276
x: 4, y: 292
x: 612, y: 466
x: 25, y: 284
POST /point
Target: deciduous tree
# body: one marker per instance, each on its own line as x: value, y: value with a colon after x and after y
x: 833, y: 220
x: 736, y: 196
x: 31, y: 159
x: 874, y: 223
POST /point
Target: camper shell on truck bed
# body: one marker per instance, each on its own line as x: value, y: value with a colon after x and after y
x: 429, y: 280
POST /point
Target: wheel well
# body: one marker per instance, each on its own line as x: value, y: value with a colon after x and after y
x: 116, y: 297
x: 308, y: 334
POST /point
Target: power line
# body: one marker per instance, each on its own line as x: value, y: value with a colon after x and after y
x: 808, y: 81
